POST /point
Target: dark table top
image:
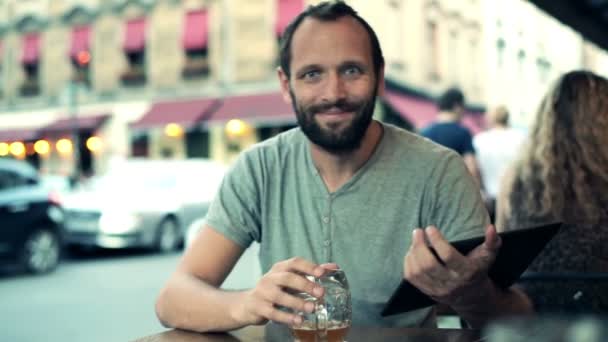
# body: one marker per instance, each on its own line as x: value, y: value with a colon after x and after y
x: 279, y: 333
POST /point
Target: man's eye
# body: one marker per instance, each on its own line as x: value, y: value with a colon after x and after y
x: 352, y: 71
x: 311, y: 75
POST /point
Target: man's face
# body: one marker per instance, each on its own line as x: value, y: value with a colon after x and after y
x: 333, y: 86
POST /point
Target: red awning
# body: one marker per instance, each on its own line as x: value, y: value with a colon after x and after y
x: 196, y: 30
x: 18, y: 134
x: 135, y: 35
x: 81, y: 36
x: 31, y: 48
x: 185, y: 112
x: 419, y: 112
x: 66, y: 124
x: 259, y: 108
x: 286, y: 11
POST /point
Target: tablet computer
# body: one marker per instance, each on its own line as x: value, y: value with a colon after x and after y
x: 518, y: 250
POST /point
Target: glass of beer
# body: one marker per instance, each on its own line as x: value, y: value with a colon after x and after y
x: 331, y: 318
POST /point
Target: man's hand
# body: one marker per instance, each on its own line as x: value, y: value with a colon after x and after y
x: 275, y: 289
x: 440, y: 271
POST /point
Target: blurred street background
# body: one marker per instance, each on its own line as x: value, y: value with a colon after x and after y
x: 96, y: 296
x: 103, y: 296
x: 122, y: 116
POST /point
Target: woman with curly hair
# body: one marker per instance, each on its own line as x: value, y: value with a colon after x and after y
x: 562, y: 175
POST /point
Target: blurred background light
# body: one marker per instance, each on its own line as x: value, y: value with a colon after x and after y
x: 174, y: 130
x: 94, y: 144
x: 42, y: 147
x: 17, y: 149
x: 64, y: 146
x: 236, y: 128
x: 4, y: 149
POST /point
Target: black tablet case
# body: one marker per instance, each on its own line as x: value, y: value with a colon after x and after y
x: 518, y: 250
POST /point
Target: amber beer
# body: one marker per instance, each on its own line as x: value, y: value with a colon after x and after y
x: 306, y: 333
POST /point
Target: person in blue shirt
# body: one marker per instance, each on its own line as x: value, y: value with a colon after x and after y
x: 447, y: 130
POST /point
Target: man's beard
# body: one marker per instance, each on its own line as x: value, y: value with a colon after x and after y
x: 336, y: 141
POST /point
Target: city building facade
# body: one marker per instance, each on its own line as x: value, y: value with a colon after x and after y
x: 85, y: 82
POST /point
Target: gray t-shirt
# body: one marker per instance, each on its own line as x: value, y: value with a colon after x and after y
x: 273, y: 194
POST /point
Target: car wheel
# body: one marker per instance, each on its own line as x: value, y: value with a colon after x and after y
x: 168, y: 237
x: 41, y: 251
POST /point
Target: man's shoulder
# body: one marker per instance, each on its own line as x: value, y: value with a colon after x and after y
x: 447, y: 126
x: 424, y: 131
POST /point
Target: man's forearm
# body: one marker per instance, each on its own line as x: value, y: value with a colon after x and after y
x: 189, y: 303
x: 492, y: 303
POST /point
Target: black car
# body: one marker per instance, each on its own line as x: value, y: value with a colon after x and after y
x: 31, y: 219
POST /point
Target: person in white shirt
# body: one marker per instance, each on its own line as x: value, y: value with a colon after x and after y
x: 495, y: 149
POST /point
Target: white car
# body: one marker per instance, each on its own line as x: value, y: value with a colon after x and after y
x: 142, y: 203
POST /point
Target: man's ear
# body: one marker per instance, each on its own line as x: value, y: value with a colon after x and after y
x: 284, y: 82
x: 381, y: 83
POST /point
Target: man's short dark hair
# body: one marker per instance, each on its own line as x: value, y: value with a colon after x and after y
x: 327, y: 11
x: 450, y: 99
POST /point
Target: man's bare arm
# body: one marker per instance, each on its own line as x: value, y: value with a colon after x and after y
x: 461, y: 281
x: 471, y: 163
x: 191, y: 299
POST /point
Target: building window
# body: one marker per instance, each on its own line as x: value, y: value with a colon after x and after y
x: 80, y: 54
x: 434, y: 52
x: 80, y: 68
x: 140, y: 145
x: 29, y: 61
x: 267, y: 132
x: 197, y: 64
x: 394, y: 49
x: 197, y: 144
x: 195, y: 45
x: 500, y: 47
x: 474, y: 76
x: 544, y: 68
x: 30, y: 86
x: 134, y: 48
x: 454, y: 57
x: 521, y: 61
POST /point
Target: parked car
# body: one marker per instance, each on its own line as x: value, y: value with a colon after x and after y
x: 142, y: 203
x: 58, y: 184
x: 31, y: 219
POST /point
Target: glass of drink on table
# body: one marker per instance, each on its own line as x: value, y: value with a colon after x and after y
x: 331, y: 319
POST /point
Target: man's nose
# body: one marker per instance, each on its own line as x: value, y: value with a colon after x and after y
x: 334, y: 89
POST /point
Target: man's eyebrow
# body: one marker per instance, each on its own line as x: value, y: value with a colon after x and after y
x: 308, y: 67
x: 361, y: 65
x: 353, y: 62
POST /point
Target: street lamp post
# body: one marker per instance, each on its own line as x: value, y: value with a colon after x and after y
x: 73, y: 112
x: 81, y: 61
